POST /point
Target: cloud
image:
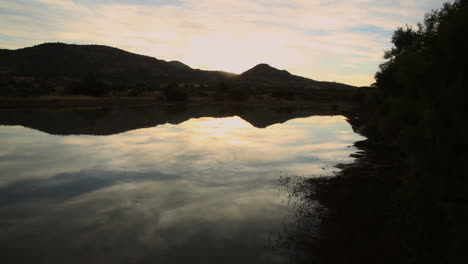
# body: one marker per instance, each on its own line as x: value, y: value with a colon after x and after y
x: 296, y: 35
x: 230, y: 145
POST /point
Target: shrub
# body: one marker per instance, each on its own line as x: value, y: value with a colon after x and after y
x: 174, y: 93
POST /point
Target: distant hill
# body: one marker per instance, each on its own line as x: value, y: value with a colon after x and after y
x: 267, y: 75
x: 58, y: 68
x: 68, y: 60
x: 265, y: 72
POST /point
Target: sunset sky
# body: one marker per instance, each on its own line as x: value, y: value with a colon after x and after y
x: 335, y: 40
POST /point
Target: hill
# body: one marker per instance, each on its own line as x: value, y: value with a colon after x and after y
x: 267, y: 75
x: 264, y: 72
x: 62, y: 69
x: 67, y: 60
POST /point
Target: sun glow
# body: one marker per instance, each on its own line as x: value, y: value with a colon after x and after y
x: 309, y: 38
x: 226, y: 123
x: 218, y: 127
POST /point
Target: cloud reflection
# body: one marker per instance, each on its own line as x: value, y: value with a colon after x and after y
x: 204, y: 188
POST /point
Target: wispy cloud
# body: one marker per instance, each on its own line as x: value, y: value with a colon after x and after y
x: 325, y: 40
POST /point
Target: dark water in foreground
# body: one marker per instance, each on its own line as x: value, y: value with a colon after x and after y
x: 201, y: 191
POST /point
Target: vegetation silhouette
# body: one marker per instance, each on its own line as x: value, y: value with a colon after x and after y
x: 91, y: 85
x: 405, y: 199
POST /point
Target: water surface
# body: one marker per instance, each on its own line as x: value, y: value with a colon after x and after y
x: 204, y: 190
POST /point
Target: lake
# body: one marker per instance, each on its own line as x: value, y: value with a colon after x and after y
x: 154, y: 188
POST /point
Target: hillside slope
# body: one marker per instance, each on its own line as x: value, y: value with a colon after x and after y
x: 75, y: 61
x: 63, y: 69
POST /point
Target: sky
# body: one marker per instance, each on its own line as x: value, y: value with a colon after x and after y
x: 334, y: 40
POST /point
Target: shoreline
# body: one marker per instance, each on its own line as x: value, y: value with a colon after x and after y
x: 355, y: 209
x: 82, y: 102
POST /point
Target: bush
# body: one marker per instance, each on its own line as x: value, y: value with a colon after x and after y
x: 238, y: 94
x: 284, y: 94
x: 91, y: 85
x: 174, y: 93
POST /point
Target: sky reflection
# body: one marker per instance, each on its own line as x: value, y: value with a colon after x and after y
x: 203, y: 190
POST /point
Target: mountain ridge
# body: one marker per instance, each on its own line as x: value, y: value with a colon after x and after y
x: 59, y: 68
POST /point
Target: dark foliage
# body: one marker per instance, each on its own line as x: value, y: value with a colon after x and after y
x: 175, y: 93
x: 405, y: 200
x: 221, y: 90
x: 238, y: 94
x: 91, y: 85
x: 416, y: 110
x: 423, y: 102
x: 284, y: 94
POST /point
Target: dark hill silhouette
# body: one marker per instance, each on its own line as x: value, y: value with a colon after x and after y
x: 75, y: 61
x: 180, y: 65
x: 267, y: 75
x: 264, y: 71
x: 62, y: 69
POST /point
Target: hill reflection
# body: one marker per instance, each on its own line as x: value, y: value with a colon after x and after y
x: 113, y: 120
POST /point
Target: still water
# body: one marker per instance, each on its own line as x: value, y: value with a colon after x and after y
x: 202, y: 191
